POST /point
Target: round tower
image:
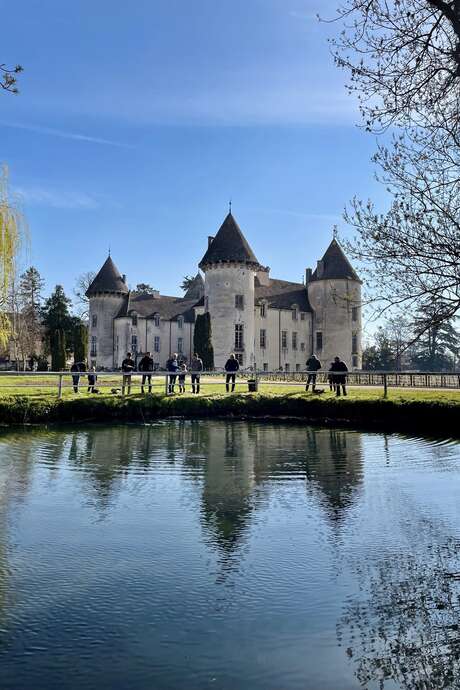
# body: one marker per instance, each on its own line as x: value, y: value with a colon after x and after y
x: 334, y: 292
x: 230, y: 267
x: 107, y: 294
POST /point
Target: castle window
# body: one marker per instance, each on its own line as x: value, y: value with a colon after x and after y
x: 354, y: 343
x: 295, y: 314
x: 302, y: 347
x: 93, y: 346
x: 319, y: 340
x: 239, y: 301
x: 156, y: 320
x: 303, y: 316
x: 284, y: 340
x: 265, y: 366
x: 354, y: 360
x: 239, y: 342
x: 180, y: 322
x: 239, y: 358
x: 263, y: 338
x: 94, y: 320
x: 287, y: 367
x: 180, y: 345
x: 134, y: 343
x: 156, y: 343
x: 134, y: 319
x: 354, y: 313
x: 263, y: 310
x: 294, y: 340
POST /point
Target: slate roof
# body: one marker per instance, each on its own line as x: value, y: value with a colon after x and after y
x: 196, y: 289
x: 229, y: 245
x: 169, y: 308
x: 108, y: 280
x: 282, y: 294
x: 336, y: 265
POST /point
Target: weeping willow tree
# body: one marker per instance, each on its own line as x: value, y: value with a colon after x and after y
x: 12, y: 232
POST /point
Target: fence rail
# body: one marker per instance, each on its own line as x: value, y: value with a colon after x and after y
x: 61, y: 380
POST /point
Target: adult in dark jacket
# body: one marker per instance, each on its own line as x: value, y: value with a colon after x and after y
x: 339, y: 375
x: 75, y: 377
x: 231, y: 367
x: 196, y: 365
x: 172, y: 365
x: 313, y: 364
x: 146, y: 364
x: 127, y: 366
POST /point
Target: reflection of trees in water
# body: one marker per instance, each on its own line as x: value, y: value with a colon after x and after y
x: 406, y: 630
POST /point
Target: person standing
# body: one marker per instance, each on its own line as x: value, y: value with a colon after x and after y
x: 313, y: 365
x: 172, y: 365
x: 182, y: 370
x: 196, y: 365
x: 75, y: 377
x: 339, y: 370
x: 127, y: 367
x: 231, y: 367
x: 92, y: 378
x: 146, y: 365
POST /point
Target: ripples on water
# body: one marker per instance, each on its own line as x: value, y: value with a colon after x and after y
x: 228, y: 555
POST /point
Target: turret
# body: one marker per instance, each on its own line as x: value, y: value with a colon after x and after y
x: 334, y: 292
x: 230, y: 267
x: 107, y: 294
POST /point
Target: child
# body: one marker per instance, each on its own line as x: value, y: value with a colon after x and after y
x: 92, y: 378
x: 183, y: 368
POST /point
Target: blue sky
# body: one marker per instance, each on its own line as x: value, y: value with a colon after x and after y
x: 137, y: 122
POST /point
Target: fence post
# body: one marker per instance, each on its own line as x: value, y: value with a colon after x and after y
x: 60, y: 386
x: 166, y: 385
x: 385, y: 386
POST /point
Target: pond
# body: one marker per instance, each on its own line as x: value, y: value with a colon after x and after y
x: 228, y: 555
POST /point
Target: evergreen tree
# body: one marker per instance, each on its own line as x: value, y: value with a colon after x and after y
x: 381, y: 356
x: 55, y: 312
x: 30, y: 288
x: 202, y: 340
x: 58, y: 350
x: 80, y: 343
x: 438, y: 344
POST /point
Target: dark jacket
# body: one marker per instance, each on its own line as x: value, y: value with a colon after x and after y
x: 196, y: 364
x: 339, y: 370
x: 146, y: 363
x: 232, y: 365
x: 75, y: 367
x: 127, y: 365
x: 313, y: 364
x: 172, y: 365
x: 92, y: 378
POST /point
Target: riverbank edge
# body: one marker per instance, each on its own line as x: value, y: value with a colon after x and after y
x: 422, y: 416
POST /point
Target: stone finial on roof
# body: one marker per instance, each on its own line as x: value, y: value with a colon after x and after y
x: 229, y: 246
x: 109, y: 279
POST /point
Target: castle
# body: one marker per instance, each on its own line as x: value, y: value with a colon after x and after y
x: 266, y: 322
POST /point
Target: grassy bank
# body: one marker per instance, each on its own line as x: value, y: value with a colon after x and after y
x: 424, y: 412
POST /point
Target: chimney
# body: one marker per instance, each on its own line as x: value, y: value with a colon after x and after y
x: 320, y: 269
x: 308, y: 273
x: 123, y: 277
x: 210, y: 239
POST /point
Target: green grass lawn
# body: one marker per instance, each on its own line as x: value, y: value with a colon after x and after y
x: 46, y: 387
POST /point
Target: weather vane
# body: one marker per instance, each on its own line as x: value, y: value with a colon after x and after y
x: 335, y: 232
x: 230, y: 206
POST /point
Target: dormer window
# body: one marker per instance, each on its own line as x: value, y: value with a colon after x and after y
x: 295, y: 312
x: 156, y: 320
x: 180, y: 322
x: 134, y: 319
x: 263, y: 310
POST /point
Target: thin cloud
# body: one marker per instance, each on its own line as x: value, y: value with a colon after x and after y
x: 65, y: 135
x: 54, y: 198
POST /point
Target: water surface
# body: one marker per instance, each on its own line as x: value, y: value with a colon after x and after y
x: 231, y: 555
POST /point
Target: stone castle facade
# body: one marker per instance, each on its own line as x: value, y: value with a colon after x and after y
x: 266, y: 322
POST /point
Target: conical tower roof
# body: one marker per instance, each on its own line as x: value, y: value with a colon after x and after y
x: 229, y: 245
x: 108, y: 279
x: 335, y: 265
